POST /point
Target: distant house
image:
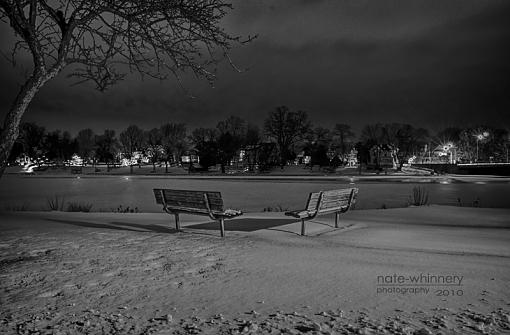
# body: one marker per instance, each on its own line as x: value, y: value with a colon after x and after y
x: 190, y: 156
x: 352, y: 158
x: 76, y: 160
x: 302, y: 158
x: 138, y: 157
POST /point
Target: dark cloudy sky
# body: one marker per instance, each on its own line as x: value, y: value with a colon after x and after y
x: 432, y: 63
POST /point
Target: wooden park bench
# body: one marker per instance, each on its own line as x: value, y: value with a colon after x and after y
x: 326, y: 202
x: 194, y: 202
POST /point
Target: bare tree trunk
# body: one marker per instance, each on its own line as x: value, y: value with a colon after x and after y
x: 10, y: 130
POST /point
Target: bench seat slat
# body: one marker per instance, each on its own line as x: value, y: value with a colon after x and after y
x: 191, y: 210
x: 336, y: 196
x: 305, y: 213
x: 196, y: 211
x: 336, y: 193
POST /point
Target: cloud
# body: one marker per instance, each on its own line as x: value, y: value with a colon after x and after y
x: 431, y: 63
x: 294, y: 23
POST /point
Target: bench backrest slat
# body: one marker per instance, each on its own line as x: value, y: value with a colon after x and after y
x: 336, y: 200
x: 158, y: 195
x: 313, y: 198
x: 331, y: 201
x: 189, y: 199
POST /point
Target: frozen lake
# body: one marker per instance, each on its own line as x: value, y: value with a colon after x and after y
x: 108, y: 192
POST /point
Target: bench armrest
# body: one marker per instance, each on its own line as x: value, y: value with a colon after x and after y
x: 300, y: 214
x: 227, y: 214
x: 232, y: 212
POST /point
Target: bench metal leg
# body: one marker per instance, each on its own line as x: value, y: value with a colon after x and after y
x: 222, y: 227
x: 177, y: 223
x: 336, y: 219
x: 302, y: 227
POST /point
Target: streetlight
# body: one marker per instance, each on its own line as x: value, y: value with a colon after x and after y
x: 480, y: 137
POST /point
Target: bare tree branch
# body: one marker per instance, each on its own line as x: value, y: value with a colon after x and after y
x: 102, y: 40
x: 105, y: 39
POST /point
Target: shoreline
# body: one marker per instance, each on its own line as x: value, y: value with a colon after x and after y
x: 447, y: 178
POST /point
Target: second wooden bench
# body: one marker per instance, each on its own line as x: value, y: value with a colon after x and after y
x: 326, y: 202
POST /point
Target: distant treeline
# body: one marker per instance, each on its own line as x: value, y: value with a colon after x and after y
x: 284, y: 136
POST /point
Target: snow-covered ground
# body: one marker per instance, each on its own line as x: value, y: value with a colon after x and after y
x: 417, y: 270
